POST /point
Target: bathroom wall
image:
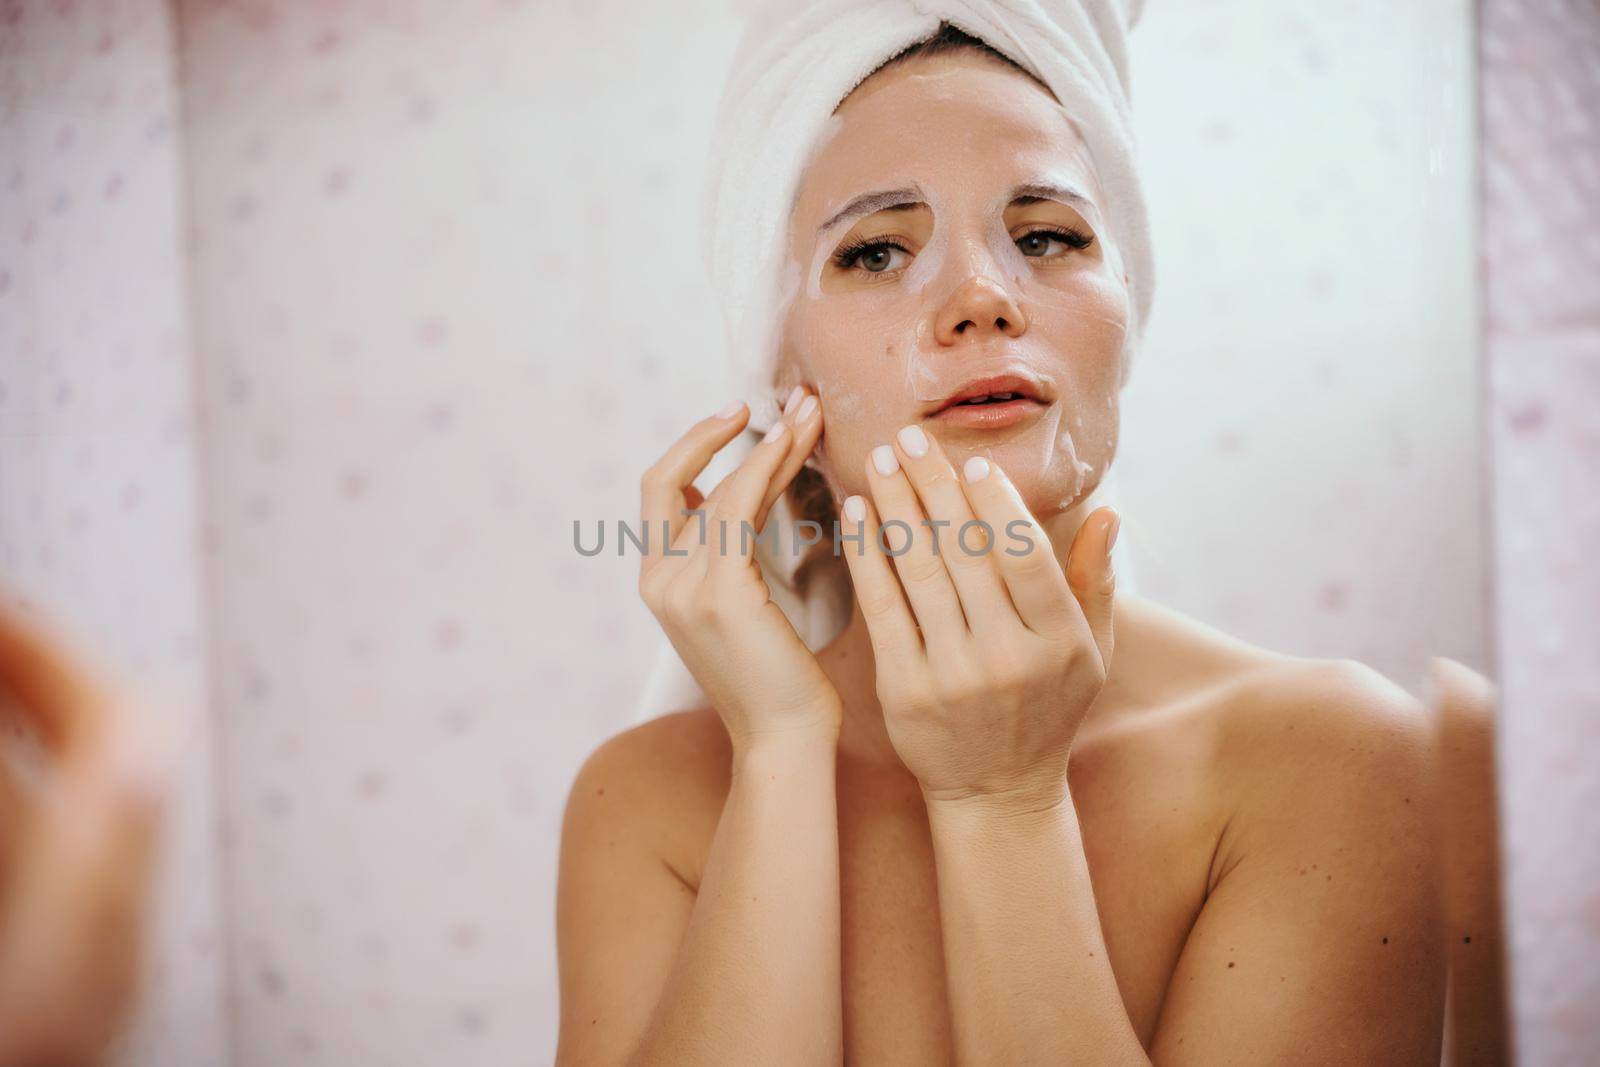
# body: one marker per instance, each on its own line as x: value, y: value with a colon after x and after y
x: 99, y: 523
x: 1301, y: 450
x: 1541, y: 259
x: 447, y: 297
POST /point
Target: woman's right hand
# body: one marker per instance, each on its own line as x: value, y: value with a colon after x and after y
x: 713, y: 602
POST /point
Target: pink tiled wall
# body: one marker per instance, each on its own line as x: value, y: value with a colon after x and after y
x: 99, y: 511
x: 1540, y: 83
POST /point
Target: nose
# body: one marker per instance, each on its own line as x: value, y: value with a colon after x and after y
x: 979, y: 307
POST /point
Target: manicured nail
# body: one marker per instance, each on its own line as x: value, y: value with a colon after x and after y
x: 807, y: 406
x: 777, y: 431
x: 731, y: 410
x: 794, y: 398
x: 855, y: 509
x: 976, y: 468
x: 1116, y: 528
x: 883, y: 458
x: 913, y: 440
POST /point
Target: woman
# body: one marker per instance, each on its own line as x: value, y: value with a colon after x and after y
x: 1007, y: 815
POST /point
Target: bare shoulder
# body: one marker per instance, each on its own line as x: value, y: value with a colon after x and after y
x: 1320, y: 910
x: 1328, y: 761
x: 1325, y: 719
x: 628, y: 875
x: 661, y: 782
x: 1279, y: 740
x: 671, y: 750
x: 1258, y: 708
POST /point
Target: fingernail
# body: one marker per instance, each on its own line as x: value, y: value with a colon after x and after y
x: 807, y: 406
x: 855, y: 509
x: 1116, y: 528
x: 731, y: 410
x: 794, y: 398
x: 976, y: 469
x: 913, y: 440
x: 883, y: 458
x: 777, y: 431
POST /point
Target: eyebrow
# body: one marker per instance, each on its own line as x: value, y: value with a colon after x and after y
x: 871, y: 204
x: 893, y: 199
x: 1033, y: 192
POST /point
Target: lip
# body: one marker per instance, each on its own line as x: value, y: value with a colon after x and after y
x: 1033, y: 398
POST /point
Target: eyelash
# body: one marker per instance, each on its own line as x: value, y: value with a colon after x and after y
x: 848, y: 255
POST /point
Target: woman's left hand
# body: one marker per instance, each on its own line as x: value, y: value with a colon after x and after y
x: 984, y: 701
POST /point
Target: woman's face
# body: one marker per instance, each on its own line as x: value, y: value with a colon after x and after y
x: 983, y: 267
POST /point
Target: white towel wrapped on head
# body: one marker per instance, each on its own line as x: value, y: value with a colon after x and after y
x: 795, y: 62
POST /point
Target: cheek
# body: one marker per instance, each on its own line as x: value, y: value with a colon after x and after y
x: 860, y: 380
x: 1086, y: 320
x: 859, y: 372
x: 1089, y: 325
x: 854, y: 425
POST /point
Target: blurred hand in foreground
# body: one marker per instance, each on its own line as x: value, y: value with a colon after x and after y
x: 76, y: 850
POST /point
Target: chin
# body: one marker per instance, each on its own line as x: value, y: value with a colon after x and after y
x: 1048, y: 493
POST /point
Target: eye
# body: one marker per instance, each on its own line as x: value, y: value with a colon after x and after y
x: 1035, y: 243
x: 873, y: 257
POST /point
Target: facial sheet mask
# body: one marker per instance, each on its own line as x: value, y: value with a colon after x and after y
x: 965, y: 259
x: 900, y: 313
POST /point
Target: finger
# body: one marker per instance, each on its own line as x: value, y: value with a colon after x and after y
x: 1091, y: 577
x: 693, y: 533
x: 87, y: 891
x: 52, y: 688
x: 803, y: 413
x: 895, y: 640
x: 662, y: 489
x: 922, y: 572
x: 681, y: 534
x: 666, y: 561
x: 703, y: 537
x: 1022, y: 554
x: 77, y: 906
x: 13, y: 812
x: 804, y: 417
x: 707, y: 529
x: 118, y: 799
x: 734, y: 513
x: 713, y: 532
x: 960, y: 539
